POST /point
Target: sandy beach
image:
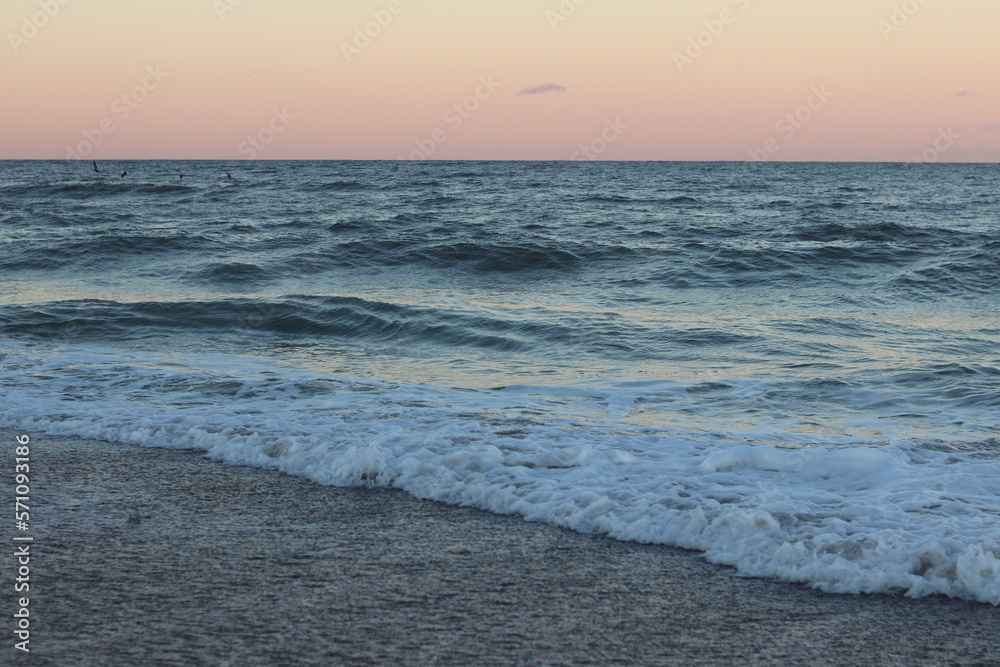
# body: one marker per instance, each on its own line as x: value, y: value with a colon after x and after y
x: 241, y: 566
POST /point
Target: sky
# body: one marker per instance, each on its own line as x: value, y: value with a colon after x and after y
x: 794, y: 80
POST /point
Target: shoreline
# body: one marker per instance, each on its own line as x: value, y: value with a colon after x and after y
x: 243, y: 566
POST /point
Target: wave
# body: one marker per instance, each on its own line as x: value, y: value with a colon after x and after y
x: 543, y: 340
x: 362, y: 321
x: 964, y: 277
x: 325, y: 317
x: 696, y: 263
x: 904, y: 518
x: 87, y: 189
x: 482, y: 256
x: 650, y: 257
x: 625, y: 199
x: 613, y: 199
x: 341, y: 186
x: 229, y: 272
x: 893, y: 233
x: 103, y: 249
x: 157, y: 189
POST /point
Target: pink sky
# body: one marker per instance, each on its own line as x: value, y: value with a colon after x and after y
x: 832, y: 80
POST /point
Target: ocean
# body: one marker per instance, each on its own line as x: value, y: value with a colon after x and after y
x: 792, y: 368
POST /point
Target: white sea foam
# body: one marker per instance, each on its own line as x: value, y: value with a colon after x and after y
x: 835, y: 511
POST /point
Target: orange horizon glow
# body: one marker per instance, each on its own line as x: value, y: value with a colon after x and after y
x: 852, y: 80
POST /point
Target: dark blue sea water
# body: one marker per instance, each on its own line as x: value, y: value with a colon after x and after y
x: 792, y: 367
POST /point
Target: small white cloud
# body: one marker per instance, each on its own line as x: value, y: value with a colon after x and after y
x: 968, y: 93
x: 543, y: 88
x: 990, y: 127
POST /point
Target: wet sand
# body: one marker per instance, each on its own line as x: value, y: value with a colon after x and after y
x: 241, y: 566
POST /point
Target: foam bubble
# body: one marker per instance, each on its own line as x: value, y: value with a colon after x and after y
x: 837, y: 512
